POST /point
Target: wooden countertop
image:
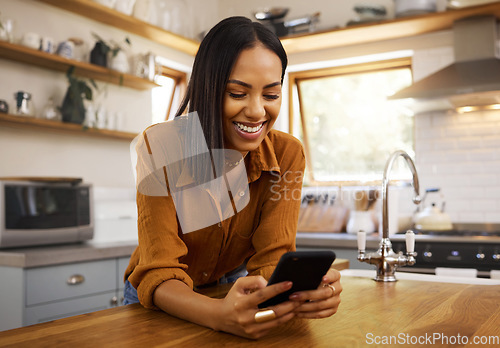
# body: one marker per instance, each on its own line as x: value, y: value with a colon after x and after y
x: 369, y: 313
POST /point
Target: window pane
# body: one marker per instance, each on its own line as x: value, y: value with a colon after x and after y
x: 161, y: 97
x: 351, y: 127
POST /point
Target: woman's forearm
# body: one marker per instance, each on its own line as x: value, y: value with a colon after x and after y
x: 176, y: 298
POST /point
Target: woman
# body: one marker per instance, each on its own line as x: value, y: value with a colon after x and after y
x: 235, y: 88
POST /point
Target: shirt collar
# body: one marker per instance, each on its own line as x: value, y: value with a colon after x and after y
x: 262, y: 159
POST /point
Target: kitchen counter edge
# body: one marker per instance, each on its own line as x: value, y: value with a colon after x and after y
x: 67, y: 253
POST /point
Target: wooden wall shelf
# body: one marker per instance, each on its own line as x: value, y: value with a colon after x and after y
x: 61, y: 127
x: 103, y: 14
x: 384, y: 30
x: 352, y: 35
x: 45, y: 60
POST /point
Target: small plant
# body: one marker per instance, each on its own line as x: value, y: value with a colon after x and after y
x: 72, y: 109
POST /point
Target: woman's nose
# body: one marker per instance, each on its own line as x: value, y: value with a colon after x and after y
x: 255, y: 108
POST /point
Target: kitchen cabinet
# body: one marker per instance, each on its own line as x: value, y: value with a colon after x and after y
x: 40, y: 294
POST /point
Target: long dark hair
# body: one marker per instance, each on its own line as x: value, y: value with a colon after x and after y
x: 212, y: 66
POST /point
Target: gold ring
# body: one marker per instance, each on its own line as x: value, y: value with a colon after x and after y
x: 265, y: 315
x: 331, y: 287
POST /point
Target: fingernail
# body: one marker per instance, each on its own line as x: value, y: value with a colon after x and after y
x: 294, y: 297
x: 287, y: 285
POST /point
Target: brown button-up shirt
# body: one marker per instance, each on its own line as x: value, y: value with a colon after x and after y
x: 258, y: 234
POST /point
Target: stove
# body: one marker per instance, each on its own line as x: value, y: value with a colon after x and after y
x: 466, y: 246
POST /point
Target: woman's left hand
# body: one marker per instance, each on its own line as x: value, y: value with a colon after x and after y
x: 322, y: 302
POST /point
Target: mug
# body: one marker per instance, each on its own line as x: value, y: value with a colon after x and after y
x: 66, y: 49
x: 47, y: 44
x: 31, y: 40
x: 24, y: 104
x: 4, y: 107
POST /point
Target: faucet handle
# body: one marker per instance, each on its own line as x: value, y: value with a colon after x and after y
x: 410, y: 242
x: 361, y: 240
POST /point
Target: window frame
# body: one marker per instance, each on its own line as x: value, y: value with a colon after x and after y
x: 180, y: 86
x: 294, y: 79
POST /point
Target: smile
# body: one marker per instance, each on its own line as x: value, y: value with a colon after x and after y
x: 249, y: 129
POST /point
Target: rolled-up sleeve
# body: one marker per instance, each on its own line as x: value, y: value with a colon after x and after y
x: 160, y: 248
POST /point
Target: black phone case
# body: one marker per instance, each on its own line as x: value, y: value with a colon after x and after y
x: 304, y: 269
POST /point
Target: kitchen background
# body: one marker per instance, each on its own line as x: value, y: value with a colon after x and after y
x: 460, y: 153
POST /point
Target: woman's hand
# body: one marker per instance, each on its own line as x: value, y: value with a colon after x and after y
x: 322, y: 302
x: 237, y: 313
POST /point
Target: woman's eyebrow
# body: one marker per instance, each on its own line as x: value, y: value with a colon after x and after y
x: 244, y: 84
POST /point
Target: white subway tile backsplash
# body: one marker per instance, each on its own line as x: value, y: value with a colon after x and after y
x: 446, y: 144
x: 492, y: 217
x: 460, y: 153
x: 492, y: 167
x: 482, y: 205
x: 480, y: 155
x: 465, y: 217
x: 456, y: 205
x: 491, y: 142
x: 456, y: 131
x: 470, y: 193
x: 493, y: 192
x: 458, y: 180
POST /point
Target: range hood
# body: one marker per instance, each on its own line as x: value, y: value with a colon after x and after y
x: 474, y: 79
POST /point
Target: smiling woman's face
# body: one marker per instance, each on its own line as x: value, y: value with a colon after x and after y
x: 252, y: 99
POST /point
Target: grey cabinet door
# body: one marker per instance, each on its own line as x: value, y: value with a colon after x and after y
x: 63, y: 309
x: 61, y: 282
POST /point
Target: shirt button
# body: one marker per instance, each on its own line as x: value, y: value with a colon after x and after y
x: 242, y: 193
x: 205, y: 274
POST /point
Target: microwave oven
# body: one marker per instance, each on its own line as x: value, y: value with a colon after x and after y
x: 43, y: 211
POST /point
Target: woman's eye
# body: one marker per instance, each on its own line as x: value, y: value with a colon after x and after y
x: 271, y: 96
x: 237, y: 95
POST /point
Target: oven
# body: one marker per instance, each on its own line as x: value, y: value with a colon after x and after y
x: 465, y: 247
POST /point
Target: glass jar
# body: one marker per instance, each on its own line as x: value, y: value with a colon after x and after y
x: 51, y: 111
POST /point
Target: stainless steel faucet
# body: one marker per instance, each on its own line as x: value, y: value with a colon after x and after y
x: 385, y: 258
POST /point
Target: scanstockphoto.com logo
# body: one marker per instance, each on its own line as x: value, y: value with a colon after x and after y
x: 433, y: 339
x: 207, y: 186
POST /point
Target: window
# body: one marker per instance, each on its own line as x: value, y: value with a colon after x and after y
x: 348, y: 127
x: 167, y: 97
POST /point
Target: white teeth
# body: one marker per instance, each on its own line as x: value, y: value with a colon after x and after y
x: 249, y: 129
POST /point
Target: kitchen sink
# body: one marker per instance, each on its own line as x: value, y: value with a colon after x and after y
x: 364, y: 273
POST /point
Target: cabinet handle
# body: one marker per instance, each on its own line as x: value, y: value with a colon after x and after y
x: 114, y: 301
x: 75, y: 279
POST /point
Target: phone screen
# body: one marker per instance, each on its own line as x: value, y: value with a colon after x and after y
x: 304, y: 269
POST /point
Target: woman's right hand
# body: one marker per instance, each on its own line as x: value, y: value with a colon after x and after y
x: 237, y: 315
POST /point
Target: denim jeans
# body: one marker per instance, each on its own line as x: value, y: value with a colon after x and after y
x: 129, y: 294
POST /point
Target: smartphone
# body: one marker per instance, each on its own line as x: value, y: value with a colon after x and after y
x: 305, y: 269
